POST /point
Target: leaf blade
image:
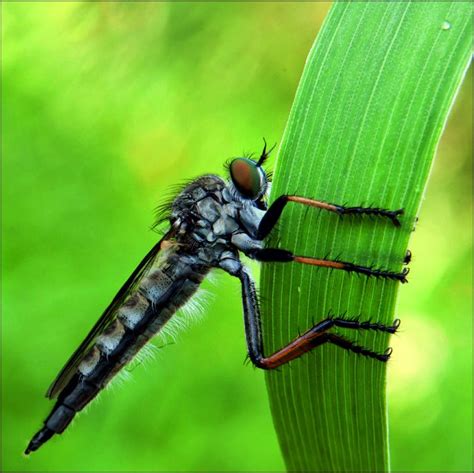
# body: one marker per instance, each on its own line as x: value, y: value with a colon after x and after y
x: 367, y: 116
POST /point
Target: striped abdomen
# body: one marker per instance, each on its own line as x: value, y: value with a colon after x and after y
x: 139, y: 318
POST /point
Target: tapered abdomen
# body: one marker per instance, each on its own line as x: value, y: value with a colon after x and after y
x: 157, y: 297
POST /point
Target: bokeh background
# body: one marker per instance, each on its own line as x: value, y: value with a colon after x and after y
x: 104, y: 106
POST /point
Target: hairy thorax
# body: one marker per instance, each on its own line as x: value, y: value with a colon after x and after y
x: 213, y: 223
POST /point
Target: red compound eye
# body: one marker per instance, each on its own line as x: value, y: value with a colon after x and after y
x: 246, y: 177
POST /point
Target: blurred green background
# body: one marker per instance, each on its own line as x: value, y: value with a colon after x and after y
x: 104, y: 106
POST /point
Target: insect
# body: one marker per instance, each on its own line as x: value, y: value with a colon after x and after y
x: 211, y: 222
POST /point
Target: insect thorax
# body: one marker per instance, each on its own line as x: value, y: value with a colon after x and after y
x: 209, y: 215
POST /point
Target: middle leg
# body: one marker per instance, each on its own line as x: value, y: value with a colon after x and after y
x: 278, y: 255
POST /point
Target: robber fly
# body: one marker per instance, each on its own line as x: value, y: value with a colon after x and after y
x: 211, y: 222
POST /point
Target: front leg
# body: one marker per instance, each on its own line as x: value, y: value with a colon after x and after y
x: 275, y: 210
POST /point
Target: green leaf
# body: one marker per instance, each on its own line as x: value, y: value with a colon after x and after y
x: 368, y: 114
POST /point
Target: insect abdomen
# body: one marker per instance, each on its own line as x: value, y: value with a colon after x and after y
x: 142, y: 315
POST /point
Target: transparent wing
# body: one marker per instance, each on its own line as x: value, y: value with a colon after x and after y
x: 70, y: 367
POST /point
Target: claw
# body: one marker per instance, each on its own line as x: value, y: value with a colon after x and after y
x: 407, y: 258
x: 387, y: 353
x: 395, y: 325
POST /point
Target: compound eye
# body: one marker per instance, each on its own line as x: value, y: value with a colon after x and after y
x: 246, y: 177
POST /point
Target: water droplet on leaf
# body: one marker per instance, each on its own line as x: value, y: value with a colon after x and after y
x: 446, y: 25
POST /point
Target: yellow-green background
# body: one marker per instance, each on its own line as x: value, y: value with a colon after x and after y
x: 104, y: 106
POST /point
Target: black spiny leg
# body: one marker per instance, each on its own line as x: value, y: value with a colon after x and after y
x: 275, y: 210
x: 356, y: 324
x: 312, y: 338
x: 348, y: 345
x: 278, y: 255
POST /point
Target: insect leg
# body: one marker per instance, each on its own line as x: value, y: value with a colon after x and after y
x: 356, y: 324
x: 276, y: 208
x: 348, y: 345
x: 311, y: 339
x: 278, y: 255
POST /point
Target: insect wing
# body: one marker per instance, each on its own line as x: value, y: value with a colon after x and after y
x: 70, y: 367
